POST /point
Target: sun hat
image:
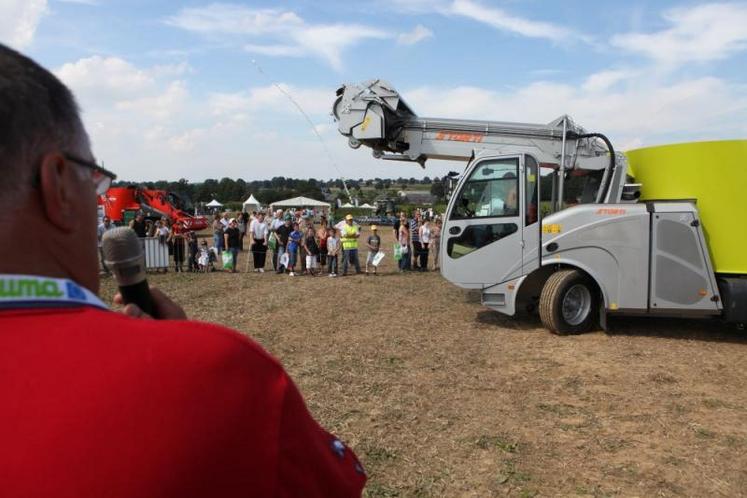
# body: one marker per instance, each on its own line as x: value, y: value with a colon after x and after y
x: 374, y: 227
x: 349, y: 217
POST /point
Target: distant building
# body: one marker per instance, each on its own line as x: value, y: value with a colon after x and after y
x: 418, y: 197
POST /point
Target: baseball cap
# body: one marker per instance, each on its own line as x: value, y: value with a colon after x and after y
x: 349, y: 217
x: 232, y: 220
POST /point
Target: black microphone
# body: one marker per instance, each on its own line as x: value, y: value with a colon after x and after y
x: 123, y: 255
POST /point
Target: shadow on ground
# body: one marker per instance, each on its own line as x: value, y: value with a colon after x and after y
x: 691, y: 329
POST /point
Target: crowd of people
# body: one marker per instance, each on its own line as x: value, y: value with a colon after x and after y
x: 295, y: 241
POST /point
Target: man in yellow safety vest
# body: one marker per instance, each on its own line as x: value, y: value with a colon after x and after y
x: 349, y: 238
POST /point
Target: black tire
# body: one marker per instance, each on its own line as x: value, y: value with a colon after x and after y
x: 575, y: 291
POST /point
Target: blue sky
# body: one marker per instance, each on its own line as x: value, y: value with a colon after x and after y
x: 169, y: 90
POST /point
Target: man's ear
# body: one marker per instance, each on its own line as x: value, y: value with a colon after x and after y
x: 58, y: 190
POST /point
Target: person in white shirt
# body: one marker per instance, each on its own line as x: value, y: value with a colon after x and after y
x: 277, y: 220
x: 425, y: 242
x: 102, y: 229
x: 162, y: 231
x: 259, y: 232
x: 275, y: 223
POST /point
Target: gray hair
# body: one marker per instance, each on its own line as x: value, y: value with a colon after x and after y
x: 38, y: 113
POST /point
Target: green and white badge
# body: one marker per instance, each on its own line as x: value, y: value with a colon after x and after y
x: 24, y: 291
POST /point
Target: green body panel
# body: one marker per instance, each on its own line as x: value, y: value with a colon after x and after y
x: 715, y: 175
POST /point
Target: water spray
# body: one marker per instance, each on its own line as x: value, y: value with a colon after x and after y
x: 311, y: 124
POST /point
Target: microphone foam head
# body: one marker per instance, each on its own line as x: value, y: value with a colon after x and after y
x: 120, y: 244
x: 123, y: 254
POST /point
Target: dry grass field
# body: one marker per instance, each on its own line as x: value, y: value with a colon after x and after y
x: 442, y: 397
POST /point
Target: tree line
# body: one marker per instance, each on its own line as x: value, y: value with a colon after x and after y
x: 279, y: 188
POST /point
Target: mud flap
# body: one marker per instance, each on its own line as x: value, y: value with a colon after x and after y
x: 602, y: 316
x: 734, y: 299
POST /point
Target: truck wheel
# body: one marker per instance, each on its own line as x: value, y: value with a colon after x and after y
x: 568, y: 303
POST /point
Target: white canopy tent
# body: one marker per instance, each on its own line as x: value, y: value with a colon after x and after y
x: 214, y: 204
x: 300, y: 202
x: 251, y: 204
x: 347, y: 205
x: 367, y: 206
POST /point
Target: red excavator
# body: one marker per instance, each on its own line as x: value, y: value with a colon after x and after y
x: 121, y: 203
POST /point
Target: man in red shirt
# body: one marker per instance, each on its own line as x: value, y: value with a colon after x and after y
x: 96, y: 403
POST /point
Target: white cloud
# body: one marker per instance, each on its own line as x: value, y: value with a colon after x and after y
x: 92, y: 3
x: 275, y: 50
x: 187, y: 141
x: 162, y: 106
x: 418, y: 34
x: 419, y: 6
x: 147, y: 124
x: 234, y: 19
x: 282, y: 33
x: 19, y: 20
x: 112, y: 81
x: 630, y: 112
x: 504, y: 21
x: 110, y: 76
x: 603, y: 80
x: 314, y: 101
x: 169, y: 70
x: 701, y: 33
x: 227, y: 104
x: 125, y: 106
x: 329, y: 41
x: 497, y: 18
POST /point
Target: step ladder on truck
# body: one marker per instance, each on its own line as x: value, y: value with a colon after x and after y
x: 552, y: 217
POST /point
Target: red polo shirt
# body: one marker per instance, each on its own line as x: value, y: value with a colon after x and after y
x: 96, y: 404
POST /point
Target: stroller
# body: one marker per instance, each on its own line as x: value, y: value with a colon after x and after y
x: 208, y: 258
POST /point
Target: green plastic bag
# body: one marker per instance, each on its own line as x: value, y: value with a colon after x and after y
x: 227, y: 260
x: 397, y: 253
x: 272, y: 243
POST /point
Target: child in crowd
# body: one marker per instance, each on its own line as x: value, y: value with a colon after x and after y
x: 162, y: 231
x: 212, y: 258
x: 294, y: 240
x: 203, y: 260
x: 333, y: 250
x: 374, y: 244
x: 193, y: 250
x: 404, y: 243
x: 311, y: 248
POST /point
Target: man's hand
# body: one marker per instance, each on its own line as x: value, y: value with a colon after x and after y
x: 166, y: 309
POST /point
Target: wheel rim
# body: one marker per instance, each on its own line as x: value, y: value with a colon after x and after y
x: 576, y: 304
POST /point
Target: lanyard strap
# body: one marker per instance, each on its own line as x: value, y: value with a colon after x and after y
x: 31, y: 291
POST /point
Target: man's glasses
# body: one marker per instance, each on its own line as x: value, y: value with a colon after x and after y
x: 102, y: 178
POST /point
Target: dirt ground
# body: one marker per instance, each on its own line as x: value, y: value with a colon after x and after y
x: 439, y: 396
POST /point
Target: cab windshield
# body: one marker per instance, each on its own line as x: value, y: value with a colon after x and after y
x: 491, y: 191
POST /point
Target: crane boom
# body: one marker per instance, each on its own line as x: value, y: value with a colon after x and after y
x: 375, y: 115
